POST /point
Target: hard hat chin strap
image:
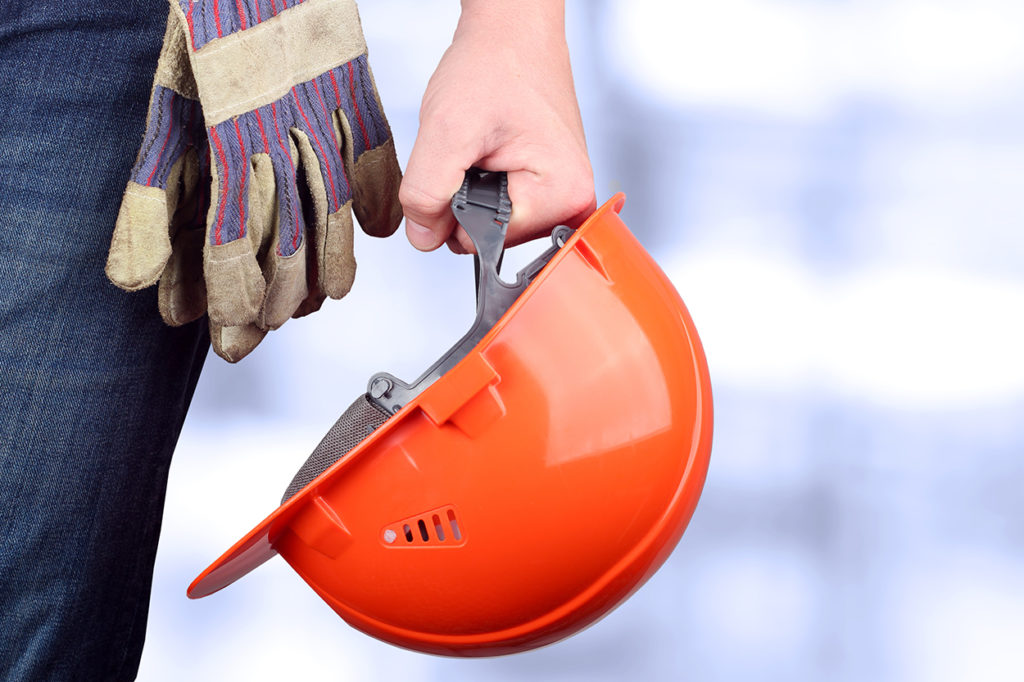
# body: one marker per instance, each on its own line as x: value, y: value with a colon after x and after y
x: 483, y: 208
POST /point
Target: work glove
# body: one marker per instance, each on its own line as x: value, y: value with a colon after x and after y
x: 265, y: 132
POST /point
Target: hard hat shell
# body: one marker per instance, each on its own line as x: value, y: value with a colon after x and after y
x: 532, y: 487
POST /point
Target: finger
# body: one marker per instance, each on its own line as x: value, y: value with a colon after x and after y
x: 311, y: 303
x: 289, y: 222
x: 263, y: 216
x: 316, y: 297
x: 437, y: 166
x: 333, y: 264
x: 375, y: 177
x: 285, y: 275
x: 543, y: 201
x: 335, y: 261
x: 182, y: 292
x: 286, y: 287
x: 234, y: 343
x: 319, y: 151
x: 141, y: 243
x: 181, y: 296
x: 234, y: 282
x: 460, y: 243
x: 539, y: 204
x: 368, y: 150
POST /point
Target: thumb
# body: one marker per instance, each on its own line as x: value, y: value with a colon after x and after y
x: 436, y: 168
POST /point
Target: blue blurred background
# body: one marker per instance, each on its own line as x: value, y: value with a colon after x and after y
x: 835, y: 188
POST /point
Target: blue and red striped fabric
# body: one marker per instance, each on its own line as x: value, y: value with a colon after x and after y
x: 308, y: 107
x: 212, y: 19
x: 175, y: 125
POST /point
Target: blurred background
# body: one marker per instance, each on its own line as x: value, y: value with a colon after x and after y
x: 835, y: 188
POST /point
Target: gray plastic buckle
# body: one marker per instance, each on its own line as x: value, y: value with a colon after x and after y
x: 483, y: 208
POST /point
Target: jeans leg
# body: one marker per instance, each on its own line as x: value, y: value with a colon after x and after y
x: 93, y: 386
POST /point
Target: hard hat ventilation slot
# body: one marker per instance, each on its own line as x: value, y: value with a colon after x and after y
x: 434, y: 528
x: 456, y: 533
x: 437, y: 528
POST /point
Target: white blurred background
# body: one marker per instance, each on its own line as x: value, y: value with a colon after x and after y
x: 835, y: 188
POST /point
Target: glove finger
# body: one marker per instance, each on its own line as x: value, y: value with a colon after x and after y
x: 314, y: 120
x: 284, y: 262
x: 262, y: 204
x: 234, y: 280
x: 235, y: 342
x: 286, y: 287
x: 141, y: 243
x: 315, y: 297
x: 312, y: 302
x: 368, y: 149
x: 336, y: 263
x: 182, y: 292
x: 332, y: 266
x: 376, y: 179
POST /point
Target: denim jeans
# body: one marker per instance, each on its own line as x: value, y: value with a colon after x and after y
x: 93, y: 386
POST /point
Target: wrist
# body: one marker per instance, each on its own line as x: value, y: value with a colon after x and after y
x: 504, y: 22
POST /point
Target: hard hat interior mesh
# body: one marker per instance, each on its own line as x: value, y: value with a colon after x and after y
x: 357, y: 422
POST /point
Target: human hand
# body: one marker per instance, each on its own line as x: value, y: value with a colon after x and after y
x: 502, y: 98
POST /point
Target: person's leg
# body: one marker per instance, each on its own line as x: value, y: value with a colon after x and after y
x: 93, y: 386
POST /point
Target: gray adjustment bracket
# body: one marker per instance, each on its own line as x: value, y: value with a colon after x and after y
x: 483, y: 208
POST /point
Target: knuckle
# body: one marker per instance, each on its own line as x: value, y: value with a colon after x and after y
x: 580, y: 197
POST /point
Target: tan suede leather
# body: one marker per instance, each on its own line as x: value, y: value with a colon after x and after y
x: 246, y: 286
x: 376, y: 175
x: 249, y: 69
x: 234, y: 343
x: 173, y: 69
x: 141, y: 243
x: 181, y: 296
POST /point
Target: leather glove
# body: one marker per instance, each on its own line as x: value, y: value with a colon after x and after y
x: 291, y: 139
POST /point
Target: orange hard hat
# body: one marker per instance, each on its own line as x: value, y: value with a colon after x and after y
x: 530, y: 481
